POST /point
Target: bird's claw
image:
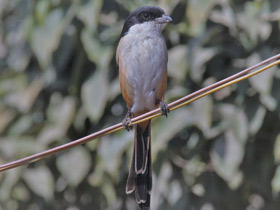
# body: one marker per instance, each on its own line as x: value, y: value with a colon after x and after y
x: 164, y: 109
x: 127, y: 124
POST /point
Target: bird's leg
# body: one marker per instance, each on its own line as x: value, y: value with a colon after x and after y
x: 127, y: 120
x: 163, y: 108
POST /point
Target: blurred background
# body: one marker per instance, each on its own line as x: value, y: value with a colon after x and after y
x: 59, y: 82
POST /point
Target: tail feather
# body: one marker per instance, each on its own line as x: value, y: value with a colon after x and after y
x: 140, y: 145
x: 130, y: 185
x: 140, y: 173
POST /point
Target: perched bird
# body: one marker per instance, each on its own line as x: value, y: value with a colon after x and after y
x: 142, y: 60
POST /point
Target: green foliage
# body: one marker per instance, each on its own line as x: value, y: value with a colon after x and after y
x: 59, y: 82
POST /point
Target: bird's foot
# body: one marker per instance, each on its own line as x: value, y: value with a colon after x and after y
x: 164, y: 108
x: 127, y: 124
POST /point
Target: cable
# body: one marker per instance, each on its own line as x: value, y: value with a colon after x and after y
x: 150, y: 115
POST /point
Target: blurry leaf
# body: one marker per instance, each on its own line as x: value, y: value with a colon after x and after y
x: 193, y: 141
x: 202, y: 113
x: 111, y: 148
x: 6, y: 116
x: 40, y: 180
x: 61, y: 184
x: 79, y: 120
x: 277, y: 150
x: 198, y: 190
x: 12, y: 90
x: 175, y: 192
x: 74, y: 165
x: 252, y: 23
x: 256, y: 201
x: 59, y: 114
x: 257, y: 120
x: 175, y: 92
x: 197, y: 12
x: 49, y: 75
x: 132, y: 5
x: 61, y: 111
x: 19, y: 56
x: 269, y: 102
x: 207, y: 206
x: 160, y: 187
x: 95, y: 179
x: 23, y: 96
x: 21, y: 193
x: 18, y: 53
x: 192, y: 168
x: 111, y: 33
x: 110, y: 151
x: 114, y: 89
x: 165, y: 129
x: 49, y: 134
x: 223, y: 93
x: 228, y: 150
x: 226, y: 156
x: 224, y: 15
x: 109, y: 192
x: 22, y: 125
x: 8, y: 84
x: 110, y: 19
x: 96, y: 52
x: 4, y: 5
x: 42, y: 7
x: 55, y: 2
x: 3, y: 48
x: 198, y: 60
x: 235, y: 121
x: 177, y: 62
x: 46, y: 37
x: 261, y: 82
x: 12, y: 147
x: 275, y: 182
x: 10, y: 180
x: 30, y: 95
x: 90, y: 13
x: 95, y: 95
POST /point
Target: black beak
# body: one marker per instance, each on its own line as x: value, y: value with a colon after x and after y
x: 163, y: 19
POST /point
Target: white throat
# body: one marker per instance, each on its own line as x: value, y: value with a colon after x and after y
x: 146, y: 28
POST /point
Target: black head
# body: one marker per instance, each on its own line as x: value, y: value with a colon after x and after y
x: 141, y: 15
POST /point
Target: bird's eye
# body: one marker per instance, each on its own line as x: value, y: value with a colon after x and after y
x: 146, y: 15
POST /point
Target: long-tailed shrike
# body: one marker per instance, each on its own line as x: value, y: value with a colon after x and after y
x: 142, y: 59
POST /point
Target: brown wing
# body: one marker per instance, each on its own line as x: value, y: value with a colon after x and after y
x: 163, y: 83
x: 126, y: 88
x: 162, y: 88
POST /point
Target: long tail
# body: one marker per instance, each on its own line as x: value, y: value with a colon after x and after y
x: 140, y: 173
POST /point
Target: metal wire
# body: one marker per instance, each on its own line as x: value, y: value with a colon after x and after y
x: 150, y: 115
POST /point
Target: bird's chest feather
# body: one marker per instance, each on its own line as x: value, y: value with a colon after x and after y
x: 142, y: 58
x: 144, y: 61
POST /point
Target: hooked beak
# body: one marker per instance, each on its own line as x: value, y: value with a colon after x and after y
x: 163, y: 19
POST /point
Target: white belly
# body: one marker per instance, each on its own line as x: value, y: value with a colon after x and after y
x: 145, y: 61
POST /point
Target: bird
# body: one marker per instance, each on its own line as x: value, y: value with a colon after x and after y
x: 142, y: 60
